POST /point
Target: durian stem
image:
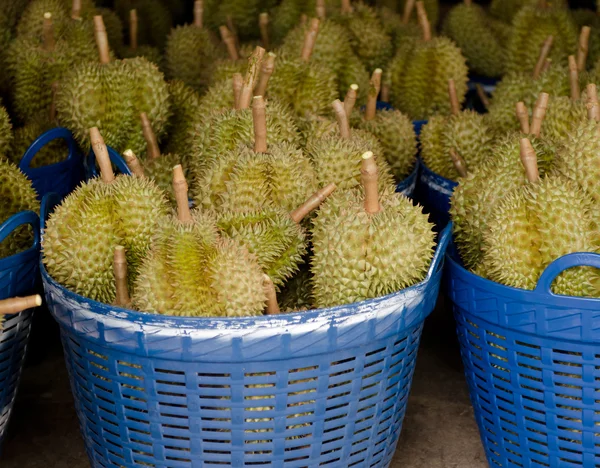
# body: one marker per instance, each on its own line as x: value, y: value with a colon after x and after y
x: 133, y: 163
x: 482, y: 96
x: 544, y: 52
x: 310, y: 38
x: 238, y: 83
x: 409, y: 6
x: 198, y: 13
x: 369, y: 176
x: 454, y: 104
x: 48, y: 32
x: 374, y: 89
x: 583, y: 47
x: 54, y: 88
x: 259, y: 118
x: 320, y: 10
x: 346, y: 6
x: 133, y: 29
x: 459, y: 163
x: 312, y: 203
x: 342, y: 118
x: 592, y: 104
x: 385, y: 92
x: 350, y: 99
x: 547, y: 65
x: 539, y: 112
x: 102, y: 157
x: 271, y: 294
x: 574, y: 79
x: 101, y: 39
x: 180, y: 187
x: 233, y: 30
x: 76, y: 10
x: 267, y: 69
x: 19, y: 304
x: 229, y: 41
x: 529, y: 161
x: 251, y: 75
x: 523, y: 116
x: 122, y: 298
x: 263, y: 23
x: 423, y: 21
x: 150, y: 137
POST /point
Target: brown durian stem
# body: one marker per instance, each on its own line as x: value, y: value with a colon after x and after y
x: 133, y: 163
x: 48, y: 32
x: 423, y: 21
x: 271, y: 294
x: 574, y: 79
x: 150, y: 137
x: 310, y: 38
x: 482, y: 96
x: 342, y: 118
x: 76, y: 10
x: 529, y: 161
x: 593, y: 107
x: 409, y: 6
x: 102, y: 157
x: 233, y: 30
x: 385, y: 92
x: 54, y: 87
x: 454, y: 104
x: 238, y: 83
x: 350, y: 99
x: 259, y: 118
x: 583, y: 48
x: 374, y: 89
x: 229, y: 41
x: 346, y: 6
x: 320, y: 10
x: 180, y: 187
x: 539, y: 112
x: 369, y: 176
x: 263, y: 23
x: 459, y: 163
x: 198, y: 13
x: 19, y: 304
x: 133, y: 29
x: 122, y: 298
x: 523, y: 116
x: 312, y: 203
x: 101, y: 40
x: 544, y: 52
x: 267, y: 69
x: 251, y: 75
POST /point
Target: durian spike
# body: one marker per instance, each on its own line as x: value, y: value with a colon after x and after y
x: 523, y: 116
x: 369, y: 176
x: 574, y: 79
x: 374, y: 89
x: 101, y: 39
x: 544, y: 52
x: 133, y: 163
x: 102, y: 157
x: 303, y: 19
x: 19, y: 304
x: 76, y: 10
x: 423, y: 21
x: 263, y: 24
x: 229, y: 41
x: 459, y: 163
x: 482, y: 95
x: 267, y: 69
x: 454, y: 104
x: 583, y: 47
x: 320, y: 10
x: 54, y: 87
x: 133, y: 29
x: 409, y: 6
x: 310, y: 38
x: 251, y: 75
x: 198, y: 13
x: 346, y: 6
x: 547, y: 65
x: 233, y: 30
x: 350, y: 99
x: 259, y: 118
x: 180, y: 187
x: 48, y: 32
x: 342, y: 118
x: 150, y: 137
x: 122, y: 298
x: 312, y: 203
x: 592, y: 105
x: 529, y: 161
x: 238, y: 83
x: 271, y: 294
x: 539, y: 112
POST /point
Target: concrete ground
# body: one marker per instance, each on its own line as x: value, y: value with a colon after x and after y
x: 439, y: 430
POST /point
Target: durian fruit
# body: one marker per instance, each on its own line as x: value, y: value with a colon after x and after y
x: 184, y: 102
x: 432, y: 7
x: 82, y: 233
x: 190, y: 54
x: 192, y: 271
x: 6, y: 134
x: 17, y: 195
x: 420, y: 75
x: 15, y: 305
x: 155, y: 20
x: 398, y: 27
x: 536, y: 224
x: 367, y: 244
x: 296, y: 294
x: 114, y: 29
x: 505, y: 10
x: 63, y: 12
x: 152, y: 54
x: 468, y: 25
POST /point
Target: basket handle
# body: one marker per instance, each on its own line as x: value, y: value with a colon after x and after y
x: 564, y: 263
x: 49, y: 202
x: 440, y: 251
x: 115, y: 158
x: 43, y: 140
x: 20, y: 219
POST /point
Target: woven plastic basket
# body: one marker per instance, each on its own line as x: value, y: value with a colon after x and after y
x: 325, y: 387
x: 532, y: 361
x: 407, y: 186
x: 91, y: 170
x: 434, y: 193
x: 61, y: 177
x: 18, y: 277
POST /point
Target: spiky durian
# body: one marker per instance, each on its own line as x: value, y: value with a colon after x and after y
x: 296, y: 295
x: 184, y: 102
x: 154, y: 20
x: 152, y: 54
x: 6, y: 135
x: 31, y: 19
x: 432, y: 7
x: 114, y: 29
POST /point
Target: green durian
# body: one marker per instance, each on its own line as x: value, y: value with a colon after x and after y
x: 6, y: 134
x: 12, y: 11
x: 31, y: 19
x: 184, y: 102
x: 506, y: 10
x: 296, y: 294
x: 54, y: 152
x: 114, y: 29
x: 224, y: 69
x: 155, y: 20
x: 562, y: 116
x: 432, y: 7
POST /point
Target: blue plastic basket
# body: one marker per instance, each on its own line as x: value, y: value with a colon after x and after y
x: 434, y: 193
x: 61, y: 177
x: 18, y: 277
x: 418, y: 125
x: 488, y: 84
x: 294, y: 390
x: 91, y: 170
x: 407, y: 186
x: 532, y: 361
